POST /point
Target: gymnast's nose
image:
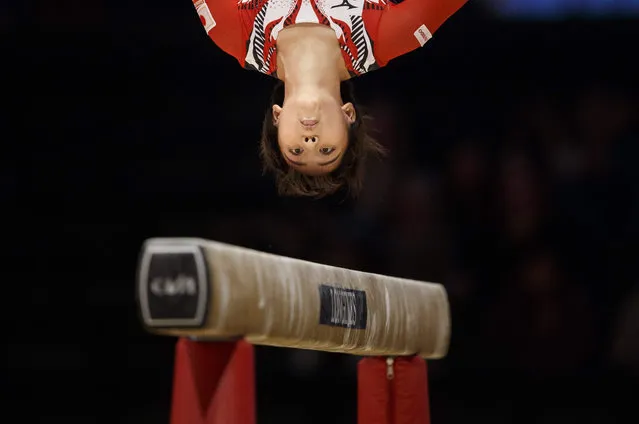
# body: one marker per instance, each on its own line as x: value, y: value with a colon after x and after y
x: 312, y: 139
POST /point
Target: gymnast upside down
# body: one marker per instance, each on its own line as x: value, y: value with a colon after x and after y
x: 314, y: 140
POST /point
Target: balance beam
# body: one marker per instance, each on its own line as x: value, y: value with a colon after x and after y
x: 208, y: 290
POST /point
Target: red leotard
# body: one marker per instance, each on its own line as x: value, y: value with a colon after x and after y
x: 370, y: 32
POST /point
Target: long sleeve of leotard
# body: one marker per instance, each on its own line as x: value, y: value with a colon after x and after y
x: 408, y: 25
x: 221, y: 21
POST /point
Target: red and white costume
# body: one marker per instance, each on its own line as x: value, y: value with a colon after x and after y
x: 370, y: 32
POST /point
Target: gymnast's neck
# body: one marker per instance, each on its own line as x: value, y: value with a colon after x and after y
x: 309, y: 60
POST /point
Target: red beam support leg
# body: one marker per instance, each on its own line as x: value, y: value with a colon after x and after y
x: 392, y: 391
x: 213, y: 383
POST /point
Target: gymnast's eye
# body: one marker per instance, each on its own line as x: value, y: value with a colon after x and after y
x: 327, y: 150
x: 296, y: 151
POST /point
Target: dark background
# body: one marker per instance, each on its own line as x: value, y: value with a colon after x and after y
x: 511, y: 179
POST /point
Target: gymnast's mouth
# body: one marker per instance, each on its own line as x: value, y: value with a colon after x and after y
x: 309, y: 124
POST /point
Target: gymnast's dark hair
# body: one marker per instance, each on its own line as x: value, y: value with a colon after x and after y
x: 348, y: 175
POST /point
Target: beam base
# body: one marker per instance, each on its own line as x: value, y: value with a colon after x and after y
x: 213, y: 383
x: 392, y: 391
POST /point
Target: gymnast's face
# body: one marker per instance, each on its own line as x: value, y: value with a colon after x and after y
x: 313, y: 132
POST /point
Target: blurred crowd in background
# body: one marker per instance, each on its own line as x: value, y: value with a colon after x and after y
x: 531, y: 226
x: 511, y: 178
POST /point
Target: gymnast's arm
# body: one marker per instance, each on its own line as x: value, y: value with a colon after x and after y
x: 221, y: 21
x: 406, y: 26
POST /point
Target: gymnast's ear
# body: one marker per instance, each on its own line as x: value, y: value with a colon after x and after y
x: 276, y: 114
x: 349, y: 112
